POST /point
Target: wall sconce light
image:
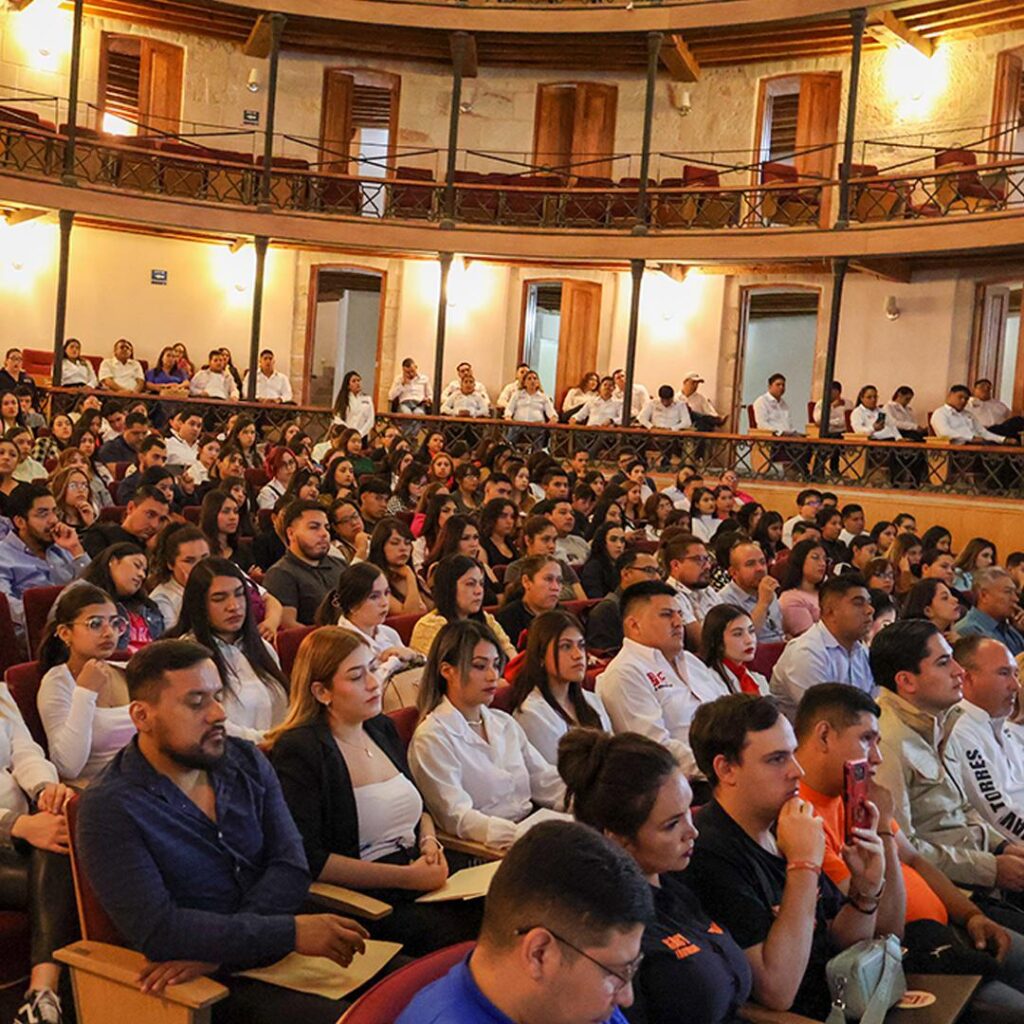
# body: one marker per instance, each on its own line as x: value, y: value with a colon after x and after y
x: 253, y: 83
x: 892, y: 308
x: 680, y: 98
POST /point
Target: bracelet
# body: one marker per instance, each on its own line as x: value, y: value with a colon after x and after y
x: 891, y: 835
x: 432, y: 839
x: 861, y: 910
x: 803, y: 865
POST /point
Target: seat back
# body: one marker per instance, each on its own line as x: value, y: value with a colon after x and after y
x: 256, y: 478
x: 23, y: 681
x: 403, y: 624
x: 774, y: 173
x: 383, y: 1003
x: 751, y: 418
x: 93, y: 919
x: 701, y: 176
x: 503, y: 699
x: 37, y: 602
x: 112, y: 513
x: 765, y: 658
x: 581, y: 609
x: 405, y: 721
x: 288, y: 643
x: 12, y: 647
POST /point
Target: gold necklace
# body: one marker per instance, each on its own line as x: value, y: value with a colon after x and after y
x: 365, y: 745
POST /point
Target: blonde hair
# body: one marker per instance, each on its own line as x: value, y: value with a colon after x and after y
x: 317, y: 660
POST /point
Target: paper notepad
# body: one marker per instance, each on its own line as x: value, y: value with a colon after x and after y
x: 468, y: 884
x: 322, y: 977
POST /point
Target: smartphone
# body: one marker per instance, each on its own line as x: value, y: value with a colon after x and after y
x: 856, y: 776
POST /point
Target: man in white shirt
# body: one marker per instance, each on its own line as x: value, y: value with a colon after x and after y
x: 464, y: 371
x: 665, y: 412
x: 512, y: 387
x: 641, y: 396
x: 771, y: 411
x: 183, y: 438
x: 569, y: 546
x: 466, y: 401
x: 215, y: 381
x: 271, y: 386
x: 992, y: 769
x: 808, y: 502
x: 122, y: 373
x: 652, y: 686
x: 953, y: 421
x: 704, y: 415
x: 411, y: 389
x: 838, y: 408
x: 689, y: 572
x: 604, y: 410
x: 754, y: 591
x: 854, y: 522
x: 993, y: 414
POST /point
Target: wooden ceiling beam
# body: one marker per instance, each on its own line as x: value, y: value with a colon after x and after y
x: 260, y: 39
x: 945, y: 20
x: 899, y: 271
x: 679, y: 59
x: 463, y: 50
x: 893, y: 32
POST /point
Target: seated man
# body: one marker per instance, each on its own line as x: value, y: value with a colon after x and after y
x: 307, y: 573
x: 604, y: 622
x: 183, y: 437
x: 757, y: 860
x: 604, y: 409
x: 919, y: 683
x: 410, y: 392
x: 125, y: 448
x: 808, y: 504
x: 952, y: 420
x: 554, y: 483
x: 540, y: 538
x: 373, y: 500
x: 652, y: 686
x: 497, y: 485
x: 754, y: 590
x: 854, y: 522
x: 991, y: 767
x: 271, y: 385
x: 689, y: 572
x: 541, y: 579
x: 836, y: 724
x: 665, y: 412
x: 996, y: 613
x: 152, y: 452
x: 771, y: 411
x: 640, y: 397
x: 466, y: 400
x: 704, y: 415
x: 189, y: 847
x: 584, y: 501
x: 145, y: 516
x: 123, y: 372
x: 560, y: 939
x: 992, y: 414
x: 40, y: 551
x: 569, y: 546
x: 833, y: 650
x: 506, y: 393
x: 216, y: 381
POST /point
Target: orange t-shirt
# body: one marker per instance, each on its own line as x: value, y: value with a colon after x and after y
x: 922, y: 902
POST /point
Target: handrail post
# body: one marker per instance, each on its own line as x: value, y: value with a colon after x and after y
x: 277, y: 21
x: 256, y: 320
x: 654, y: 40
x: 68, y: 176
x: 839, y: 269
x: 442, y: 320
x: 636, y: 269
x: 858, y: 20
x: 460, y: 47
x: 67, y: 219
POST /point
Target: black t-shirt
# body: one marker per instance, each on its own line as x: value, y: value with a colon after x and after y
x: 688, y: 960
x: 494, y: 556
x: 604, y: 624
x: 741, y: 886
x: 515, y: 619
x: 102, y: 535
x: 302, y: 586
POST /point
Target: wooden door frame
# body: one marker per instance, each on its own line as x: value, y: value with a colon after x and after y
x: 978, y: 326
x: 311, y: 303
x: 104, y: 71
x: 759, y: 109
x: 387, y: 80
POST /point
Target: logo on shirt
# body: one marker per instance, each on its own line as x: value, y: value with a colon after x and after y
x: 658, y: 680
x: 681, y: 946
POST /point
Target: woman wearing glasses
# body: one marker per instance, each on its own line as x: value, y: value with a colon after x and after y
x: 280, y: 466
x: 632, y: 790
x: 83, y: 699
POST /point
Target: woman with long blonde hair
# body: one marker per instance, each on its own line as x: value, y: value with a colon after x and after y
x: 346, y: 781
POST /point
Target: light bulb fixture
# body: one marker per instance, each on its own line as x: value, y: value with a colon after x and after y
x: 253, y: 82
x: 892, y: 308
x: 680, y: 98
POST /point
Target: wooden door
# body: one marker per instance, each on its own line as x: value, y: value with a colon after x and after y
x: 593, y: 129
x: 552, y: 127
x: 578, y: 331
x: 161, y: 70
x: 1007, y: 104
x: 817, y: 125
x: 336, y: 121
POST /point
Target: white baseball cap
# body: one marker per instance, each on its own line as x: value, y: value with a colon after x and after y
x: 693, y: 376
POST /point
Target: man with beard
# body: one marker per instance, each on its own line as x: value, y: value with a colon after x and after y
x: 688, y: 563
x: 191, y: 851
x: 306, y: 574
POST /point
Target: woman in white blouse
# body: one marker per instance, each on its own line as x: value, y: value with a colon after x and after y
x: 75, y: 371
x: 280, y: 466
x: 352, y: 407
x: 728, y: 644
x: 179, y: 548
x: 216, y: 612
x: 577, y: 397
x: 529, y: 404
x: 477, y: 771
x: 703, y: 522
x: 870, y: 421
x: 83, y: 698
x: 548, y: 694
x: 899, y: 414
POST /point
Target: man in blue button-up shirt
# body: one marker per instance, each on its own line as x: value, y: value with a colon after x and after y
x: 40, y: 551
x: 190, y: 848
x: 995, y: 612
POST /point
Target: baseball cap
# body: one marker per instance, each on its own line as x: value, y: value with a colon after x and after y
x: 693, y: 376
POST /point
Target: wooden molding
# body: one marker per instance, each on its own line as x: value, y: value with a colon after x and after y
x: 463, y: 46
x: 260, y: 38
x: 897, y: 270
x: 679, y: 59
x: 894, y: 32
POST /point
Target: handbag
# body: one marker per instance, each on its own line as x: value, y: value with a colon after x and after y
x: 865, y: 981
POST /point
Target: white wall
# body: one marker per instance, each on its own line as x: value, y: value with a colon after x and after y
x: 780, y: 345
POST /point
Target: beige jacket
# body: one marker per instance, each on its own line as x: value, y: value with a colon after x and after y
x: 924, y: 779
x: 432, y: 623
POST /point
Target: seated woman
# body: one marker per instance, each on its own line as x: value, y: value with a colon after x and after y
x: 461, y: 536
x: 477, y: 771
x: 436, y: 511
x: 728, y: 643
x: 458, y: 595
x: 409, y: 488
x: 932, y: 599
x: 165, y: 374
x: 630, y: 789
x: 883, y: 613
x: 802, y: 575
x: 220, y: 523
x: 70, y: 488
x: 883, y: 533
x: 978, y: 553
x: 351, y: 446
x: 280, y: 466
x: 905, y: 555
x: 350, y: 540
x: 703, y: 521
x: 598, y: 574
x: 548, y: 698
x: 227, y: 466
x: 8, y: 465
x: 304, y: 486
x: 75, y: 370
x: 28, y: 470
x: 216, y: 612
x: 749, y: 516
x: 880, y: 574
x: 497, y: 532
x: 179, y: 548
x: 937, y: 538
x: 868, y: 420
x: 83, y: 698
x: 441, y: 469
x: 657, y: 509
x: 466, y: 488
x: 768, y: 533
x: 243, y: 436
x: 391, y: 551
x: 346, y: 781
x: 120, y: 572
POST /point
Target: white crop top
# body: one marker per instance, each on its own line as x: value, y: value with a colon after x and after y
x: 388, y: 814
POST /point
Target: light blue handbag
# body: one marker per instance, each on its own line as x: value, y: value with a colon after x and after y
x: 865, y: 981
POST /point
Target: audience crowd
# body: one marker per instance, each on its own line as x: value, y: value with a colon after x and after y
x: 375, y: 658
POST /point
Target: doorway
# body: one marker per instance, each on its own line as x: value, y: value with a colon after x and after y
x: 343, y: 332
x: 561, y: 325
x: 778, y: 334
x: 997, y: 351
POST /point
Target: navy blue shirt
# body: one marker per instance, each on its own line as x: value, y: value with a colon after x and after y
x: 456, y: 999
x: 179, y: 886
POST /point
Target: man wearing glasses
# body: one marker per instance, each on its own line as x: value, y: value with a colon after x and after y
x: 40, y: 551
x: 560, y: 940
x: 689, y: 571
x: 604, y: 623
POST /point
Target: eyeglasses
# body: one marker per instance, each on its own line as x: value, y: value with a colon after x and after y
x: 699, y: 559
x: 623, y: 976
x: 648, y: 570
x: 95, y: 623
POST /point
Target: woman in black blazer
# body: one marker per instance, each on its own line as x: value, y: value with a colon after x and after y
x: 345, y: 778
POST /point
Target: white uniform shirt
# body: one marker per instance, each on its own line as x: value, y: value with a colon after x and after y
x: 865, y: 422
x: 168, y: 597
x: 360, y: 415
x: 544, y: 726
x: 575, y: 397
x: 900, y: 416
x: 23, y: 765
x: 661, y: 417
x: 992, y: 769
x: 704, y: 527
x: 276, y: 387
x: 478, y: 789
x: 125, y: 375
x: 677, y: 497
x: 208, y: 384
x: 836, y: 415
x: 454, y: 387
x: 600, y: 412
x: 644, y: 692
x: 771, y: 413
x: 641, y: 396
x: 535, y: 408
x: 990, y: 412
x: 506, y: 393
x: 178, y: 452
x: 476, y: 405
x: 699, y: 404
x: 417, y: 390
x: 252, y: 705
x: 77, y: 373
x: 699, y: 602
x: 960, y: 427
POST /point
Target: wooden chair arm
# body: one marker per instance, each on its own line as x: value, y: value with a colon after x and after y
x: 470, y: 847
x: 760, y: 432
x: 350, y: 901
x: 755, y: 1014
x: 122, y: 966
